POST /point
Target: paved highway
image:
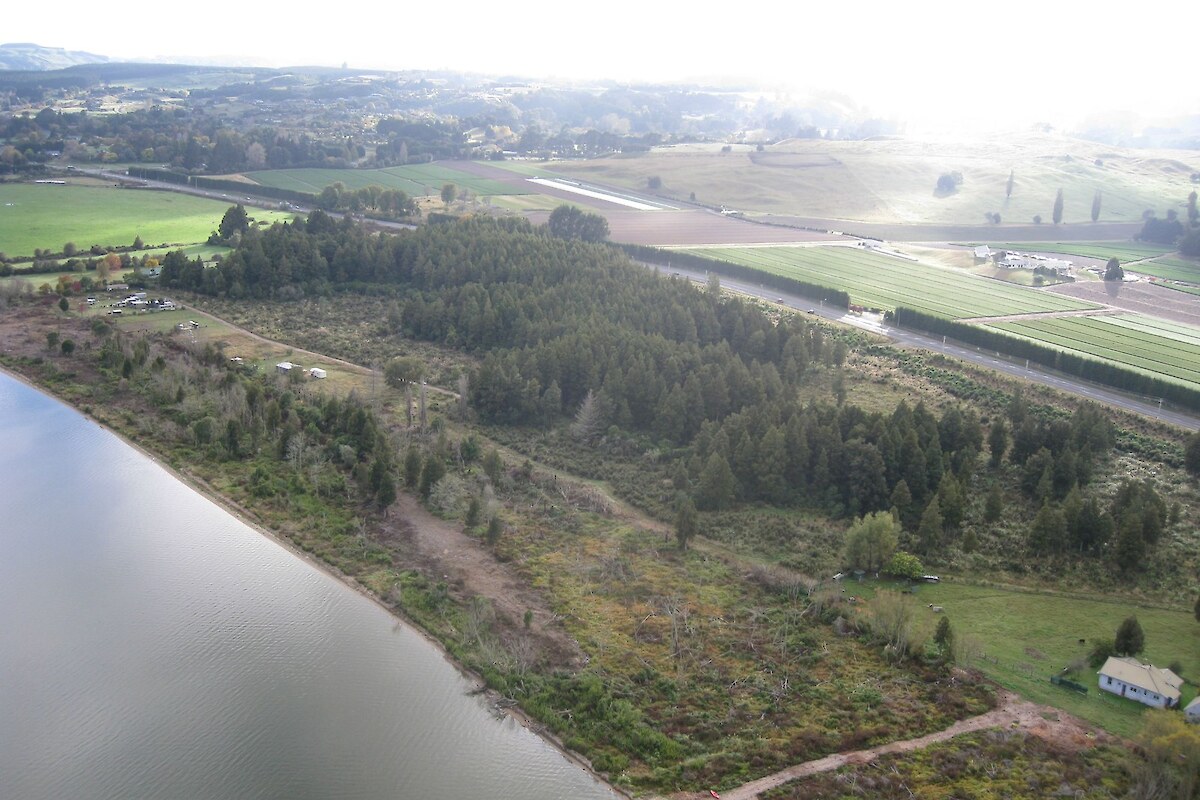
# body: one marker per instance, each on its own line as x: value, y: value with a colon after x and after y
x: 989, y: 359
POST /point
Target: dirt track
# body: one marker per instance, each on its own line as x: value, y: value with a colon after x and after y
x: 1014, y: 713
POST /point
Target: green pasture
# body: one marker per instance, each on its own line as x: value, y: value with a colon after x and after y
x: 1179, y: 287
x: 1125, y: 251
x: 52, y: 277
x: 48, y: 216
x: 526, y: 202
x: 881, y: 281
x: 1030, y: 632
x: 1171, y: 269
x: 416, y: 180
x: 1150, y: 344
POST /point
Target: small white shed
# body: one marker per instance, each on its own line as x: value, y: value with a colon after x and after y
x: 284, y: 367
x: 316, y: 372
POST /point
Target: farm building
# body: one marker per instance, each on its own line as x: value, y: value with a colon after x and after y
x: 1145, y: 683
x: 284, y: 367
x: 316, y: 372
x: 983, y: 252
x: 1191, y: 712
x: 1012, y: 260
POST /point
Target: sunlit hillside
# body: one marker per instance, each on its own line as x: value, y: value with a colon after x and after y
x: 895, y: 180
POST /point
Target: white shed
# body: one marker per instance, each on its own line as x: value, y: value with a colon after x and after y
x: 316, y: 372
x: 284, y: 367
x: 1191, y: 711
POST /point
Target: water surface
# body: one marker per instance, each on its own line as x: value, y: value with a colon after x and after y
x: 153, y: 646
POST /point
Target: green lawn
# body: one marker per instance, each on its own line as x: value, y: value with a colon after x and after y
x: 47, y: 216
x: 1150, y: 344
x: 882, y: 281
x: 416, y: 180
x: 1022, y: 637
x: 1027, y: 631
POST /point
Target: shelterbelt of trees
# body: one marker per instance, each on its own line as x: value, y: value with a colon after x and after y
x: 567, y: 329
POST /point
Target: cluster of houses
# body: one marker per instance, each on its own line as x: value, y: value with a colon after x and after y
x: 286, y: 367
x: 1145, y: 683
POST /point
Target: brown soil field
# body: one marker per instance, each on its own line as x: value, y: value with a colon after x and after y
x: 1140, y: 297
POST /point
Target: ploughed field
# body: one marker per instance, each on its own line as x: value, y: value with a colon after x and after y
x: 882, y: 281
x: 1141, y: 297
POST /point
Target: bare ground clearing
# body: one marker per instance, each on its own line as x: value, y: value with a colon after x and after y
x: 1141, y: 298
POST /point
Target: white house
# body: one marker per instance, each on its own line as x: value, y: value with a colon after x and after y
x: 284, y: 367
x: 983, y: 252
x: 1191, y: 711
x: 1145, y: 683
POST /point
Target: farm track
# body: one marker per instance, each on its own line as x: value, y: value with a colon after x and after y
x: 1042, y: 721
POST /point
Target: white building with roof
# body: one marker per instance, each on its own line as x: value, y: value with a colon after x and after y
x: 1145, y: 683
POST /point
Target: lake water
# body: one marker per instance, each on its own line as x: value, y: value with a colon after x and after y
x: 153, y: 646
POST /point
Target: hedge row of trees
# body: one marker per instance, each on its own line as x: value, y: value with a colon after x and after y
x: 1102, y: 372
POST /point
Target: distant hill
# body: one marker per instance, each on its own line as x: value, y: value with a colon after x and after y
x: 32, y: 57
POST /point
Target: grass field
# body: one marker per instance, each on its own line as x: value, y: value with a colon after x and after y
x: 893, y: 180
x: 256, y: 352
x: 415, y: 180
x: 47, y: 216
x: 1025, y: 636
x: 881, y: 281
x: 1125, y: 251
x: 1041, y: 632
x: 1171, y: 269
x: 1150, y: 344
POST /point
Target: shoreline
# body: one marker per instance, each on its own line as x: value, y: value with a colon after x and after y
x: 244, y: 516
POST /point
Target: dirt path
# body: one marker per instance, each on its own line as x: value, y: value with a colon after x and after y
x: 1013, y: 713
x: 470, y: 569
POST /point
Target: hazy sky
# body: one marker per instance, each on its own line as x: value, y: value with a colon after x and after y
x: 967, y: 62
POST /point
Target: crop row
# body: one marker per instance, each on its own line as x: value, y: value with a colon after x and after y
x: 1180, y: 331
x: 1095, y: 337
x: 887, y: 282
